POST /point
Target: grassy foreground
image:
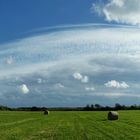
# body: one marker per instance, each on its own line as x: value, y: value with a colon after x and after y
x: 69, y: 126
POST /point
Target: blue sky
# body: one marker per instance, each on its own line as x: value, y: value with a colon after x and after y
x: 69, y: 52
x: 18, y: 17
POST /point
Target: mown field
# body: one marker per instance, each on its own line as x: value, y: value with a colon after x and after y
x: 69, y: 126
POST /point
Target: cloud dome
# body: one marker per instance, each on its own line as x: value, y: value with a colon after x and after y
x: 97, y: 53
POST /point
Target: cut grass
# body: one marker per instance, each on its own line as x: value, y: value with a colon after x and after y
x: 70, y: 125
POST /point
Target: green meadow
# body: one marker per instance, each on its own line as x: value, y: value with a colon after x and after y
x: 69, y: 125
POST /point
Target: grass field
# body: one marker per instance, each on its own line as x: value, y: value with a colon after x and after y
x: 69, y: 126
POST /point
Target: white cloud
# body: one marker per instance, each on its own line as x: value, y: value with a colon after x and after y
x: 116, y: 84
x: 24, y: 89
x: 58, y: 86
x: 80, y: 42
x: 89, y: 88
x: 9, y: 60
x: 77, y: 76
x: 40, y: 81
x: 116, y: 95
x: 87, y: 50
x: 82, y: 78
x: 121, y: 11
x: 97, y: 8
x: 85, y: 79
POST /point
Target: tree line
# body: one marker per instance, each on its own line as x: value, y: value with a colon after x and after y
x: 88, y: 107
x: 98, y: 107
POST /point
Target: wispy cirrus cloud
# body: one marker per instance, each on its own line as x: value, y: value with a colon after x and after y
x: 72, y: 63
x: 90, y: 88
x: 30, y: 57
x: 9, y: 60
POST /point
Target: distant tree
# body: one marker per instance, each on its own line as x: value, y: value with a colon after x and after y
x: 87, y: 108
x: 98, y: 106
x: 4, y: 108
x: 92, y: 106
x: 118, y: 106
x: 124, y: 107
x: 34, y: 108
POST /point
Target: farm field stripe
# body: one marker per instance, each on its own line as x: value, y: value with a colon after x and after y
x: 18, y: 122
x: 78, y: 126
x: 97, y: 126
x: 110, y: 127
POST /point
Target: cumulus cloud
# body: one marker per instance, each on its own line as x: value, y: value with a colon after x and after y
x: 116, y: 84
x: 85, y: 79
x: 120, y: 11
x: 77, y: 76
x: 82, y: 78
x: 24, y: 89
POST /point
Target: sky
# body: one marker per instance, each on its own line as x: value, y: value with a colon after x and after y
x: 69, y: 52
x: 18, y: 17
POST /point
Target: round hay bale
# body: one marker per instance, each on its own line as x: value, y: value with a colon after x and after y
x: 46, y: 112
x: 113, y: 115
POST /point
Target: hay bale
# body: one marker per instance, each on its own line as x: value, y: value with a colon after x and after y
x: 113, y: 115
x: 46, y: 112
